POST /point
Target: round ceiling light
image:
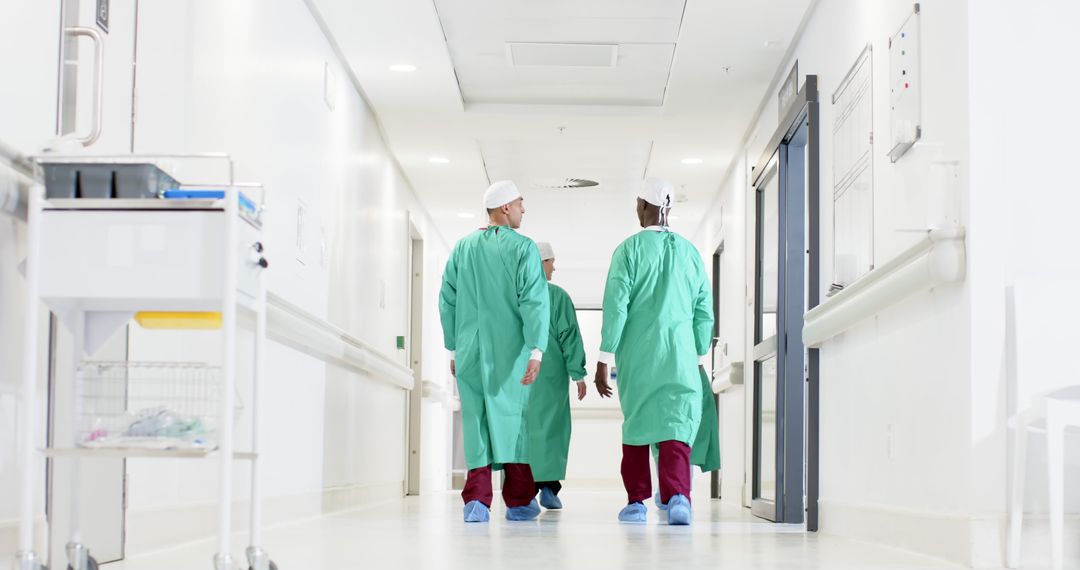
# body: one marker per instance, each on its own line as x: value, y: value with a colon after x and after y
x: 439, y: 160
x: 692, y: 161
x: 466, y: 215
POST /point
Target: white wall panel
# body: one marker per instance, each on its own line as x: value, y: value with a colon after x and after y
x: 251, y: 83
x: 903, y: 380
x: 29, y: 55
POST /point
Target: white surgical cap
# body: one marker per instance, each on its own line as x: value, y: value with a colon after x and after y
x: 501, y: 193
x: 546, y: 252
x: 656, y: 192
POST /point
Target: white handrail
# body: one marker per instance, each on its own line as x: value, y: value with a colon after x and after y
x: 299, y: 329
x: 727, y: 377
x: 15, y: 181
x: 936, y: 259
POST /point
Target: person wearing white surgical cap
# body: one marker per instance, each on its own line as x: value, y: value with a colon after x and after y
x: 658, y: 193
x: 657, y: 323
x: 494, y: 307
x: 548, y: 418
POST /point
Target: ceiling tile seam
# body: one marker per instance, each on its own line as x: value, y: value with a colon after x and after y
x: 648, y: 161
x: 781, y: 71
x: 343, y: 61
x: 483, y: 161
x: 682, y: 19
x: 674, y: 52
x: 449, y: 56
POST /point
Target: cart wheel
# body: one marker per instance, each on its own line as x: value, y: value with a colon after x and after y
x: 273, y: 566
x: 91, y: 564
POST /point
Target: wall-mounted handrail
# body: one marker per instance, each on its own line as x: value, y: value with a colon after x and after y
x: 17, y: 174
x: 17, y: 160
x: 294, y: 327
x: 727, y: 377
x: 936, y: 259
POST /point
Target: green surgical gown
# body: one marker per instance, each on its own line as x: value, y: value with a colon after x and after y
x: 549, y: 402
x: 657, y: 321
x: 705, y: 452
x: 494, y: 305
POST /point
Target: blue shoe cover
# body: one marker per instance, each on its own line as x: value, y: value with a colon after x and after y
x: 659, y: 505
x: 632, y: 513
x: 526, y: 513
x: 549, y: 500
x: 475, y: 511
x: 678, y: 510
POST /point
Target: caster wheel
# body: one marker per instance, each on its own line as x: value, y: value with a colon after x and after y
x: 91, y: 564
x: 273, y: 566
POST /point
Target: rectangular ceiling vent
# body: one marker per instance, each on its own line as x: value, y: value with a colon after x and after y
x: 523, y: 54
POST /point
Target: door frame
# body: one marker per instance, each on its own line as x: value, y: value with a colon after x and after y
x: 414, y: 344
x: 797, y: 368
x: 715, y: 476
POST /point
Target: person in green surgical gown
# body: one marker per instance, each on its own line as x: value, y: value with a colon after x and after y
x: 657, y: 324
x: 549, y: 404
x: 494, y: 304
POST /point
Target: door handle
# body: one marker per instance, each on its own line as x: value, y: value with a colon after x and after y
x: 99, y: 81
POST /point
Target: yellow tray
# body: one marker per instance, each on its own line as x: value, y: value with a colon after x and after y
x: 178, y: 320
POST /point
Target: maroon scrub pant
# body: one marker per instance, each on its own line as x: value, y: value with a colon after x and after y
x: 518, y: 487
x: 673, y: 467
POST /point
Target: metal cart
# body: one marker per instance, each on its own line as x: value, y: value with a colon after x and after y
x: 104, y: 243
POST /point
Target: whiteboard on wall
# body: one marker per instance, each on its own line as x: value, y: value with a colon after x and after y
x: 905, y: 87
x: 853, y: 172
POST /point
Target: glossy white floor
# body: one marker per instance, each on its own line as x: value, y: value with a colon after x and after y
x: 428, y: 532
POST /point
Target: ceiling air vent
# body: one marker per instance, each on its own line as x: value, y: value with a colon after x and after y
x: 562, y: 55
x: 567, y: 183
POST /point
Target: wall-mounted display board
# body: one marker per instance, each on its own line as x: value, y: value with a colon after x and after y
x: 788, y: 90
x: 905, y: 86
x: 853, y: 172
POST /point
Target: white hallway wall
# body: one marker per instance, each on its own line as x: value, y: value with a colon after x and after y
x: 247, y: 78
x: 907, y: 371
x: 253, y: 84
x: 28, y: 57
x: 726, y: 225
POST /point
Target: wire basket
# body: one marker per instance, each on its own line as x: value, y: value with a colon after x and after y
x: 148, y: 405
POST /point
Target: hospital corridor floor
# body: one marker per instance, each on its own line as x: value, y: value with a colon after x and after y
x: 428, y: 532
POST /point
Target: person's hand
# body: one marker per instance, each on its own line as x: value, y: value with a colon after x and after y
x: 581, y: 389
x: 453, y: 369
x: 601, y: 381
x: 531, y: 372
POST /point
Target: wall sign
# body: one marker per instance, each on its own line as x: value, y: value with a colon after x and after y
x: 905, y: 86
x: 789, y: 90
x: 102, y: 15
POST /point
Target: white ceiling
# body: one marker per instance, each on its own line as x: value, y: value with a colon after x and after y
x: 483, y: 97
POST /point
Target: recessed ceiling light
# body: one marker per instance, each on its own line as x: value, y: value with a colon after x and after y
x: 439, y: 160
x: 773, y: 43
x: 403, y: 67
x: 466, y: 215
x: 692, y: 161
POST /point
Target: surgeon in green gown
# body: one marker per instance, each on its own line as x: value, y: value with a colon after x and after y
x: 657, y: 324
x: 549, y: 403
x: 495, y: 310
